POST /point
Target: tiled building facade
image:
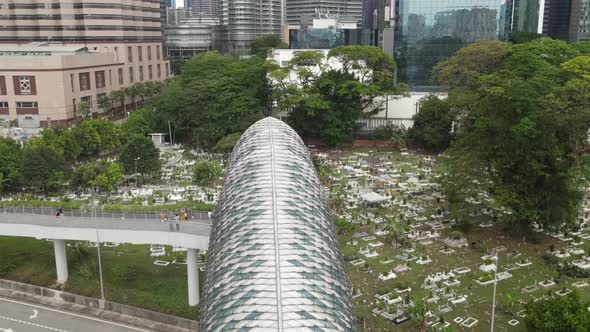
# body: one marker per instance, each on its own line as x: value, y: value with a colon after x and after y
x: 124, y: 46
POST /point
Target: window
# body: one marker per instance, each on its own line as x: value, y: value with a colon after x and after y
x: 149, y: 53
x: 159, y: 70
x: 24, y: 85
x: 131, y: 78
x: 74, y: 104
x: 150, y: 73
x: 2, y: 85
x: 72, y: 82
x: 26, y: 104
x: 158, y: 52
x: 129, y: 54
x: 139, y: 53
x: 141, y: 73
x: 99, y: 78
x: 84, y: 81
x: 87, y: 100
x: 3, y: 104
x: 120, y: 73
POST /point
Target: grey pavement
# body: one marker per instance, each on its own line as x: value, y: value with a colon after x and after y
x: 18, y: 316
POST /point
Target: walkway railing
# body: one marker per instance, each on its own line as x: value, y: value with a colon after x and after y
x: 101, y: 213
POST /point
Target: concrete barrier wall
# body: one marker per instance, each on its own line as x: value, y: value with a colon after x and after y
x: 158, y: 321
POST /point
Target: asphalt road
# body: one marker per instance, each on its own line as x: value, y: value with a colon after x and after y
x: 16, y: 316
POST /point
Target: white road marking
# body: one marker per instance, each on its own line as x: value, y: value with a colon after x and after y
x: 34, y: 315
x: 7, y: 330
x: 75, y: 315
x: 32, y: 324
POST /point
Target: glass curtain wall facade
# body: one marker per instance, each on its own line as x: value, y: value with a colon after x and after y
x: 429, y: 31
x: 244, y: 20
x: 274, y: 262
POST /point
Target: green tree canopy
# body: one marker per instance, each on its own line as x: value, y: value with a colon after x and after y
x: 64, y: 141
x: 432, y: 124
x: 205, y: 172
x: 144, y: 149
x: 520, y: 131
x: 10, y: 163
x: 214, y: 97
x: 42, y: 168
x: 227, y: 143
x: 325, y: 102
x: 98, y: 136
x: 137, y: 124
x: 262, y: 44
x: 558, y: 314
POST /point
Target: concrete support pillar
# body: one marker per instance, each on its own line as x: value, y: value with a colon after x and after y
x: 61, y: 260
x: 192, y: 276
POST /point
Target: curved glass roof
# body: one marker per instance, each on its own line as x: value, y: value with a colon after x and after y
x: 274, y: 262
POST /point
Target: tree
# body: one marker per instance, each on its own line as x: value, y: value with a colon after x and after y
x: 138, y: 124
x: 85, y: 109
x: 521, y: 128
x: 558, y: 314
x: 144, y: 149
x: 418, y: 313
x: 10, y: 161
x: 227, y: 143
x: 326, y: 102
x: 98, y: 136
x: 214, y: 97
x: 432, y: 124
x: 262, y: 44
x: 524, y: 37
x: 105, y: 104
x: 205, y: 172
x: 42, y: 168
x: 107, y: 180
x: 63, y: 140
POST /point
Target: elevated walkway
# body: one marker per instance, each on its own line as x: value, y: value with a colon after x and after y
x: 100, y: 227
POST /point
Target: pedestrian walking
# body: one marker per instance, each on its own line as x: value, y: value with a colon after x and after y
x: 58, y: 215
x: 177, y: 222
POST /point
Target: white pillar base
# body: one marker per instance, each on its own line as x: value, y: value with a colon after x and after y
x: 192, y: 276
x: 61, y: 260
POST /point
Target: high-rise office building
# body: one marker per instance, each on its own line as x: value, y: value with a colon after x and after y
x: 52, y: 80
x: 567, y: 19
x: 302, y: 12
x: 207, y: 8
x: 244, y: 20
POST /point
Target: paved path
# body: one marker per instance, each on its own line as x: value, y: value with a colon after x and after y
x: 16, y: 316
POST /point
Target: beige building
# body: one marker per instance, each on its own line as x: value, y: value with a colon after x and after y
x: 56, y: 54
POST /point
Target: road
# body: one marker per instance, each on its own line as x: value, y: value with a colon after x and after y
x: 16, y: 316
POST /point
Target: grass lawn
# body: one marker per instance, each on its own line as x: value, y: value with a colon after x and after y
x: 129, y: 274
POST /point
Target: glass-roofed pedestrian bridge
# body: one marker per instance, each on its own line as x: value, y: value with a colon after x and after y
x: 274, y: 263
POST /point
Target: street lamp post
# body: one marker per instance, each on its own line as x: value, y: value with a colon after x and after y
x: 102, y: 299
x: 494, y: 298
x: 136, y: 159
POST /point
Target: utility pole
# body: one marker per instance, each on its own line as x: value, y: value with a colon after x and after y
x: 136, y: 159
x: 495, y: 285
x: 170, y: 133
x: 102, y: 299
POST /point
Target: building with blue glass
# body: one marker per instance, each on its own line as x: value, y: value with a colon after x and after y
x: 430, y: 31
x: 274, y: 262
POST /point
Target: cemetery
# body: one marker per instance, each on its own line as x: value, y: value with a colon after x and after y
x: 399, y: 246
x: 397, y: 239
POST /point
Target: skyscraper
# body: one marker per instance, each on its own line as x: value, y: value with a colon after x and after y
x: 303, y: 11
x: 244, y: 20
x: 567, y: 19
x: 209, y: 8
x: 429, y: 31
